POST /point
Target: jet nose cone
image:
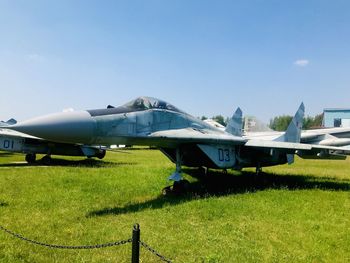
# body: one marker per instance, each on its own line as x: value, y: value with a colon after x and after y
x: 68, y: 127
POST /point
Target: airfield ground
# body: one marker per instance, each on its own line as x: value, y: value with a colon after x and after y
x: 297, y: 213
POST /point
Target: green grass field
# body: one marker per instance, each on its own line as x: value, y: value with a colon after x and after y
x: 296, y: 213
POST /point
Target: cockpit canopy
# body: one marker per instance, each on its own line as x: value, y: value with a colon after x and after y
x: 146, y: 103
x: 139, y: 104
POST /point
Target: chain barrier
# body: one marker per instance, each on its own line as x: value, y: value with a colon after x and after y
x: 111, y: 244
x: 153, y: 251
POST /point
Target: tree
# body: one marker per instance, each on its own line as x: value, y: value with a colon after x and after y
x: 220, y: 119
x: 307, y: 122
x: 280, y: 123
x: 318, y: 121
x: 313, y: 122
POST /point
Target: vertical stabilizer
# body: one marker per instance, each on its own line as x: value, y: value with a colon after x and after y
x: 293, y: 131
x: 234, y: 125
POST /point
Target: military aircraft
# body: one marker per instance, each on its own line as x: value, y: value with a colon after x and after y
x: 13, y: 141
x: 184, y: 139
x: 339, y: 137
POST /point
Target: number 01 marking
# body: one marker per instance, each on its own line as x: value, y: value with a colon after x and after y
x: 224, y: 155
x: 8, y: 144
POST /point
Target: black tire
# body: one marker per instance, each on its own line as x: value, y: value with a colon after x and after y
x: 101, y: 154
x: 166, y: 191
x: 30, y: 157
x: 185, y: 184
x: 181, y: 187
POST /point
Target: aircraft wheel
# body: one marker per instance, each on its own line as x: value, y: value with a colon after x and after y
x: 30, y: 158
x: 181, y: 186
x: 101, y: 154
x: 166, y: 190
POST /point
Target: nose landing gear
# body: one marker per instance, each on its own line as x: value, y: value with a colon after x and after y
x: 178, y: 188
x: 180, y: 185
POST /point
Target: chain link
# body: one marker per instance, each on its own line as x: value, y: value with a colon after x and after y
x: 154, y: 252
x: 111, y: 244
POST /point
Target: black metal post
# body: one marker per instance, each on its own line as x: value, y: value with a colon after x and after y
x: 135, y: 257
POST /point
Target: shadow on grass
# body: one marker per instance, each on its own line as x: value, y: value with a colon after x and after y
x: 220, y: 184
x: 6, y: 154
x: 2, y: 203
x: 89, y: 163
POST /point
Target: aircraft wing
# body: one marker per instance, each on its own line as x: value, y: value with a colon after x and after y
x: 185, y: 136
x: 190, y: 135
x: 312, y: 151
x: 278, y: 145
x: 324, y: 152
x: 342, y: 150
x: 172, y: 138
x: 337, y: 132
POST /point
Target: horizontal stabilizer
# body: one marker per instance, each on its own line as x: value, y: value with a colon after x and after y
x: 320, y: 156
x: 278, y: 145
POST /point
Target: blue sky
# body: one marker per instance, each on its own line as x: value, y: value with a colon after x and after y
x: 205, y: 57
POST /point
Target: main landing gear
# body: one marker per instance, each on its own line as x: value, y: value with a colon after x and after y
x: 101, y: 154
x: 30, y: 158
x: 180, y: 185
x: 46, y: 159
x: 178, y: 188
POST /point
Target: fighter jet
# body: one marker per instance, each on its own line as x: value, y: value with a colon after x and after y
x: 339, y: 137
x: 13, y: 141
x: 184, y: 139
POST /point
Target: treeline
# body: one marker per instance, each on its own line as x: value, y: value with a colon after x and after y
x: 218, y: 118
x: 280, y: 123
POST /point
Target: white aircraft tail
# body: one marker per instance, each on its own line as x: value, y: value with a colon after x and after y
x: 234, y: 125
x: 293, y: 131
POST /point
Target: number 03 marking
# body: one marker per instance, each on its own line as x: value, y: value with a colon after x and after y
x: 224, y: 155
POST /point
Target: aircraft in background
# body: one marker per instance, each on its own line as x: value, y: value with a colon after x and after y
x: 338, y: 137
x: 184, y: 139
x: 13, y: 141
